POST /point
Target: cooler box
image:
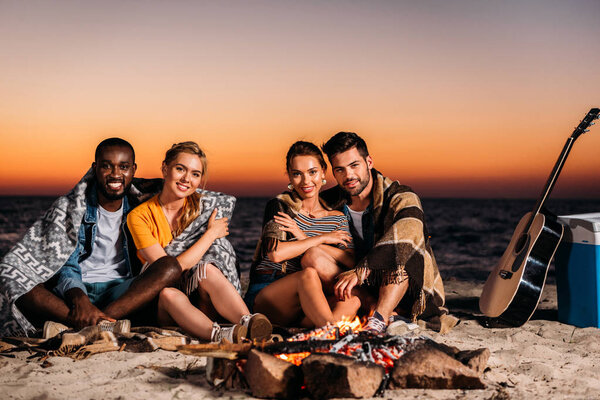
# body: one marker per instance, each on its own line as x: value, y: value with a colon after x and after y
x: 577, y: 264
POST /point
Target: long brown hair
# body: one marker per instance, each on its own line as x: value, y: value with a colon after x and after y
x: 191, y: 207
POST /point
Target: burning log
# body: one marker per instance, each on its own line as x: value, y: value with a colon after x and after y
x: 331, y: 375
x: 429, y: 367
x: 270, y: 377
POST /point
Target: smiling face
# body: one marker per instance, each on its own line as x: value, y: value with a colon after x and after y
x: 352, y: 171
x: 183, y: 175
x: 114, y: 169
x: 306, y: 175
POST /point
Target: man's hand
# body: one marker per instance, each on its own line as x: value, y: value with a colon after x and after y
x: 83, y: 313
x: 346, y: 281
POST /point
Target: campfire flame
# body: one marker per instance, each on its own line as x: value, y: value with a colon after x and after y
x: 331, y: 331
x: 344, y: 332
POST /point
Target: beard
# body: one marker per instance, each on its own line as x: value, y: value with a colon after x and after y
x: 362, y: 184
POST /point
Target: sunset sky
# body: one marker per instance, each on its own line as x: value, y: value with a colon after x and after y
x: 454, y: 98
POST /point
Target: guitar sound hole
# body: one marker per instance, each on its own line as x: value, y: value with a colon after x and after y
x: 521, y: 243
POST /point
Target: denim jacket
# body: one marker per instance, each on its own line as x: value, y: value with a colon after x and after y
x: 364, y: 245
x: 69, y: 276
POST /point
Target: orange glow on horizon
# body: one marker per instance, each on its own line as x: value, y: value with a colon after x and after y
x: 453, y: 100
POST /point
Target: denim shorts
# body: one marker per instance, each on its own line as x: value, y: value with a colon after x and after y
x: 257, y: 283
x: 102, y: 294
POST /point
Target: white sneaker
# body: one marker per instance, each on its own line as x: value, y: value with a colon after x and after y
x: 120, y: 326
x: 234, y: 334
x: 52, y: 329
x: 259, y: 327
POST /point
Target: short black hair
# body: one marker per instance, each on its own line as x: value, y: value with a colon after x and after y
x: 114, y: 141
x: 343, y: 141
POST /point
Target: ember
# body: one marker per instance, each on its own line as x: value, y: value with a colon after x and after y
x: 345, y: 337
x: 330, y: 331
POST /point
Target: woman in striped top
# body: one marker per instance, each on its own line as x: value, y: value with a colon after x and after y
x: 285, y: 284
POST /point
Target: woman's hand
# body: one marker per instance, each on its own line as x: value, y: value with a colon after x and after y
x: 336, y: 237
x: 217, y: 228
x: 289, y: 225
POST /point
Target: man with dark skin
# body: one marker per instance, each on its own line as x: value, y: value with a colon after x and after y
x: 97, y: 282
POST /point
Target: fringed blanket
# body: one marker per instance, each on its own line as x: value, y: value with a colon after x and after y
x: 286, y: 202
x: 46, y: 247
x: 92, y: 340
x: 401, y: 247
x: 221, y: 253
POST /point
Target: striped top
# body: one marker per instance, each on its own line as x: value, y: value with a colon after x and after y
x: 311, y: 227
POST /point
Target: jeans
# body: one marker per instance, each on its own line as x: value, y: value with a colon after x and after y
x: 258, y: 283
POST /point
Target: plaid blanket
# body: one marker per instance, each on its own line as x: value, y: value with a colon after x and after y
x: 401, y: 247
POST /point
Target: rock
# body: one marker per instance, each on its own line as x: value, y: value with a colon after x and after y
x: 224, y: 373
x: 474, y: 359
x: 428, y: 367
x: 270, y: 377
x: 331, y: 375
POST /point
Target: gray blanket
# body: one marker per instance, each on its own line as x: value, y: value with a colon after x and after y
x: 221, y: 253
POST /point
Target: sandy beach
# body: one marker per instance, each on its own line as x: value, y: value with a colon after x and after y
x: 544, y: 358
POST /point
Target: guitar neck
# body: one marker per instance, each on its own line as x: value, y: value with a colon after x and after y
x: 552, y: 179
x: 581, y: 128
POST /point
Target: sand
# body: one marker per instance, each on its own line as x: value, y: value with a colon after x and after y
x: 544, y: 359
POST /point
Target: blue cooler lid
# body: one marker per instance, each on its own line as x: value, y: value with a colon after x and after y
x: 581, y: 228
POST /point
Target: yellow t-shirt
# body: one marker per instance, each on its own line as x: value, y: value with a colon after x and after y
x: 148, y: 225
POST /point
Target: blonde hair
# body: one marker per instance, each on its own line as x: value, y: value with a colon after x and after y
x: 191, y: 207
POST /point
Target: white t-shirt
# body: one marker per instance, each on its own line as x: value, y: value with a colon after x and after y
x: 357, y: 221
x: 107, y: 261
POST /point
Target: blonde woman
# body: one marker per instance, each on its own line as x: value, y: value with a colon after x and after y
x: 163, y: 218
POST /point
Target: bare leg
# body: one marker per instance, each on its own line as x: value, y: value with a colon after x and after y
x: 389, y: 297
x: 319, y: 259
x: 279, y: 301
x: 312, y: 299
x: 226, y: 300
x: 345, y: 309
x: 40, y: 304
x: 162, y: 273
x: 174, y: 306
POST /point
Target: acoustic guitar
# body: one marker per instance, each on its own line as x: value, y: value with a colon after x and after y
x: 513, y: 289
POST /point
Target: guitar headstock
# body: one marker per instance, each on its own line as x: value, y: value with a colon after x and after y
x: 586, y: 122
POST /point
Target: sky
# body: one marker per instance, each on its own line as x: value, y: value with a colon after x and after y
x: 454, y: 98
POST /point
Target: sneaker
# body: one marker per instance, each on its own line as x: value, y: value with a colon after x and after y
x: 234, y: 334
x: 120, y: 326
x: 259, y: 327
x: 375, y: 324
x: 52, y: 329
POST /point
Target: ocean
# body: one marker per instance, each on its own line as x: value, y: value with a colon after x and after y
x: 468, y: 236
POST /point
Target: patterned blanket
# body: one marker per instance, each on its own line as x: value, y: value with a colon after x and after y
x: 50, y: 241
x: 401, y: 247
x: 221, y: 253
